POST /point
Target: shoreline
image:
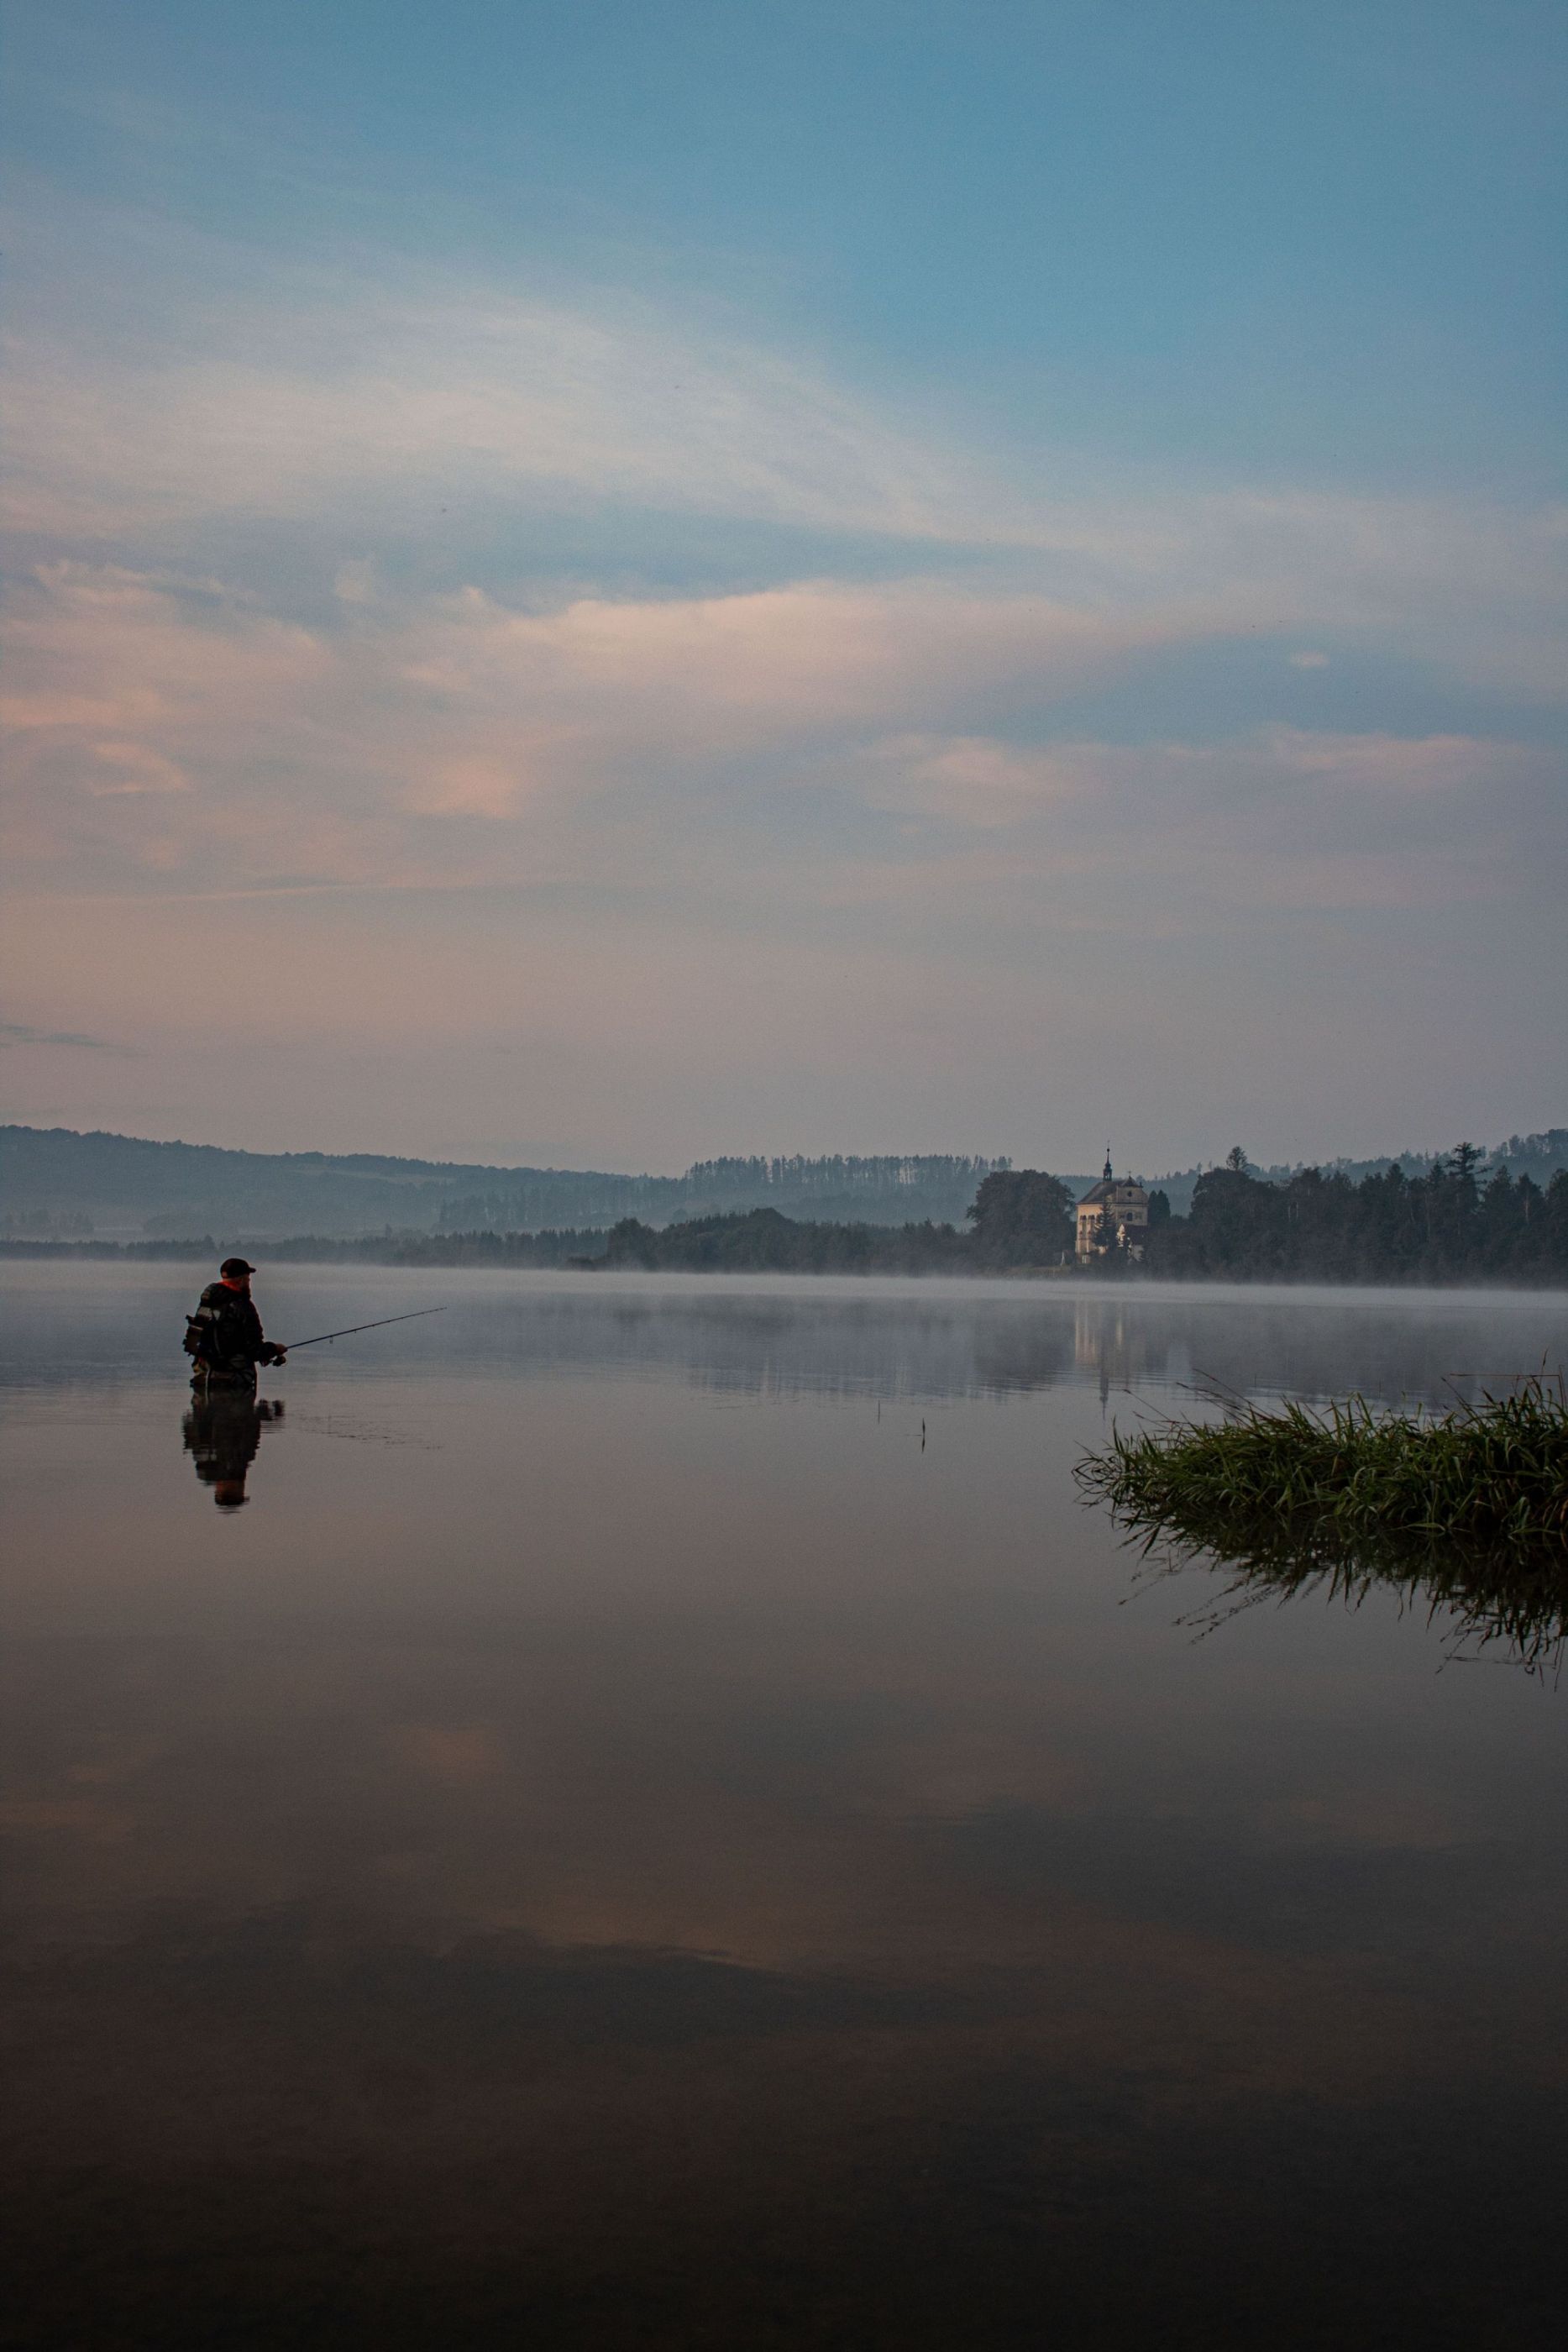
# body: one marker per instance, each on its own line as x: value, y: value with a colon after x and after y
x: 523, y: 1254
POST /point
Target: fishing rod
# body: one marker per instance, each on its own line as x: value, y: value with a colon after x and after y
x: 288, y: 1346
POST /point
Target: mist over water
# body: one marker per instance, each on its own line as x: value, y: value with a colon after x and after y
x: 660, y: 1818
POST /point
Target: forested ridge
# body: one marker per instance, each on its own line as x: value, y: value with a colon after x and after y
x: 1455, y: 1223
x: 58, y: 1184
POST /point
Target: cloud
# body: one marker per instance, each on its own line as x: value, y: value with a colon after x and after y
x: 1104, y: 834
x: 388, y: 382
x: 826, y: 743
x: 173, y: 387
x: 22, y: 1033
x: 157, y: 726
x: 345, y: 589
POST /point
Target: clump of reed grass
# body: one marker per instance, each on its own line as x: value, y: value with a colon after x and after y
x: 1468, y: 1509
x: 1493, y: 1471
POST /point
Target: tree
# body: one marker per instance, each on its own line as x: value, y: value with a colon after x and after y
x: 1022, y: 1217
x: 1239, y: 1225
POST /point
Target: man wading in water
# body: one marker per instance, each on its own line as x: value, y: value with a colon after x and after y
x: 225, y: 1335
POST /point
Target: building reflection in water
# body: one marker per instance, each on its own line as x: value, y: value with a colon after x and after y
x: 1115, y: 1347
x: 221, y: 1433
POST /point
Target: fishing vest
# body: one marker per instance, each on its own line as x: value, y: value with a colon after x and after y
x: 225, y: 1332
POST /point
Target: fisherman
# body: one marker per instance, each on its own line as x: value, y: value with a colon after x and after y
x: 225, y: 1334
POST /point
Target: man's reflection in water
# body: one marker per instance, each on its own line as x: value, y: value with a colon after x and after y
x: 222, y: 1431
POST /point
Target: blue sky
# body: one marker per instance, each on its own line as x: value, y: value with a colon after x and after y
x: 667, y: 579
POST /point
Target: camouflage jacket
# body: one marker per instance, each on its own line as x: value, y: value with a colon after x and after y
x: 225, y: 1332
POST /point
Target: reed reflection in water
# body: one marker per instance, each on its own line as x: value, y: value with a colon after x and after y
x: 1498, y: 1600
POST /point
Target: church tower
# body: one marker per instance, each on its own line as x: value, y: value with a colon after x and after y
x: 1113, y: 1214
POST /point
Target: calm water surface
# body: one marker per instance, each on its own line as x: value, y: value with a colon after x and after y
x: 661, y: 1821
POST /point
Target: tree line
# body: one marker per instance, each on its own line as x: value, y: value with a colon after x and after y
x: 1448, y: 1225
x: 838, y: 1188
x: 1452, y: 1224
x: 1455, y: 1223
x: 1019, y: 1217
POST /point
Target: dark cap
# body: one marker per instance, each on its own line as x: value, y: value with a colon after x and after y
x: 236, y: 1266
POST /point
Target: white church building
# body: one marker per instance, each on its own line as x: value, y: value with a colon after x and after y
x: 1115, y: 1212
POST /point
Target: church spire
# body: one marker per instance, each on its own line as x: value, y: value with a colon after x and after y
x: 1107, y: 1163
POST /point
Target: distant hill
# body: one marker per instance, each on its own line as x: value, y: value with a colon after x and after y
x: 55, y: 1181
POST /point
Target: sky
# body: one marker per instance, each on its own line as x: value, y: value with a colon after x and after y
x: 602, y: 585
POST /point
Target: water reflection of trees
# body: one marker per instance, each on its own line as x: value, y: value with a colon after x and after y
x: 944, y: 1342
x: 828, y: 1338
x: 802, y: 1342
x: 1316, y: 1344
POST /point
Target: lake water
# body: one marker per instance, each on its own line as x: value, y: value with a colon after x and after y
x: 661, y: 1820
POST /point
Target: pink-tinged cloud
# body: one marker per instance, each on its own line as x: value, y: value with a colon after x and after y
x: 167, y: 735
x: 358, y: 752
x: 1283, y: 786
